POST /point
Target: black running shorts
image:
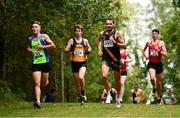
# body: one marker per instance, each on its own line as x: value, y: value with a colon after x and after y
x: 114, y: 65
x: 75, y: 66
x: 158, y: 67
x: 123, y: 73
x: 45, y: 67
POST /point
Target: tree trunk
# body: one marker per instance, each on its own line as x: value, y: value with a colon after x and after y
x: 2, y: 39
x: 62, y: 72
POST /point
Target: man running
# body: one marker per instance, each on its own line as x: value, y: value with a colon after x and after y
x: 37, y: 45
x: 156, y: 49
x: 109, y: 43
x: 79, y: 48
x: 125, y: 59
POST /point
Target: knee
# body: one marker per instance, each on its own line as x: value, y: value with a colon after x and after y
x: 152, y: 79
x: 81, y: 78
x: 104, y: 76
x: 47, y: 82
x: 122, y: 83
x: 37, y: 84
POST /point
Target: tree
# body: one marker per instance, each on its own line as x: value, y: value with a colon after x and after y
x: 57, y: 18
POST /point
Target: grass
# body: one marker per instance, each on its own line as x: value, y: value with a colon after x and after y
x: 25, y: 109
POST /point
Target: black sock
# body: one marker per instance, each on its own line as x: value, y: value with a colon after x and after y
x: 82, y: 92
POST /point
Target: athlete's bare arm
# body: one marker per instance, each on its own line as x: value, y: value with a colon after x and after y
x: 29, y: 49
x: 68, y: 46
x: 144, y: 51
x: 119, y: 40
x: 88, y: 47
x: 129, y: 59
x: 163, y: 49
x: 50, y: 44
x: 99, y: 43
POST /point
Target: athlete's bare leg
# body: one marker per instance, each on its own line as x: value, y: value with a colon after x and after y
x: 77, y: 83
x: 159, y: 85
x: 152, y: 74
x: 44, y: 84
x: 37, y: 81
x: 105, y: 71
x: 81, y: 75
x: 118, y: 85
x: 45, y: 79
x: 122, y: 81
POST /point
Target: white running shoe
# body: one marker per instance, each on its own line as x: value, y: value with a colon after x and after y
x: 108, y: 99
x: 118, y: 102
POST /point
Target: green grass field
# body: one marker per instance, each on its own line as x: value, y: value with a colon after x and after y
x: 25, y: 109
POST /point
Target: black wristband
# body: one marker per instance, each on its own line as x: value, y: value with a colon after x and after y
x: 87, y: 52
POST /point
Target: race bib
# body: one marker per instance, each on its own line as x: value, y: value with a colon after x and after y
x: 154, y: 53
x: 108, y: 43
x: 79, y: 53
x: 38, y: 54
x: 167, y: 101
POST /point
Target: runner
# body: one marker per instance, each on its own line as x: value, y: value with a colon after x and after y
x: 125, y: 59
x: 38, y: 45
x: 156, y: 50
x: 79, y: 48
x: 109, y: 43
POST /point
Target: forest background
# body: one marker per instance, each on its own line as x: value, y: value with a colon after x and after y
x: 58, y: 18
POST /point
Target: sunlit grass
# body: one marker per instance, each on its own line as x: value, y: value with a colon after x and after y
x: 25, y: 109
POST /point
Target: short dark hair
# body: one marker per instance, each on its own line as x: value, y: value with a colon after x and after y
x: 109, y: 18
x: 155, y: 30
x: 36, y: 22
x: 168, y: 89
x: 78, y: 26
x: 136, y: 84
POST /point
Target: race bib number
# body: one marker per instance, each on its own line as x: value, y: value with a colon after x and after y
x: 108, y: 43
x: 79, y: 53
x: 153, y: 53
x: 38, y: 54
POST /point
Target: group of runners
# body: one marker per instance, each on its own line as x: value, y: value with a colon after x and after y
x: 111, y: 48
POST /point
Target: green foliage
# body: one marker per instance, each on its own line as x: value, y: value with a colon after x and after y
x: 170, y: 33
x: 57, y: 18
x: 176, y: 3
x: 6, y: 94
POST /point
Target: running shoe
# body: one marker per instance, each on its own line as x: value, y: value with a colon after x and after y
x: 83, y: 99
x: 118, y: 102
x: 37, y: 105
